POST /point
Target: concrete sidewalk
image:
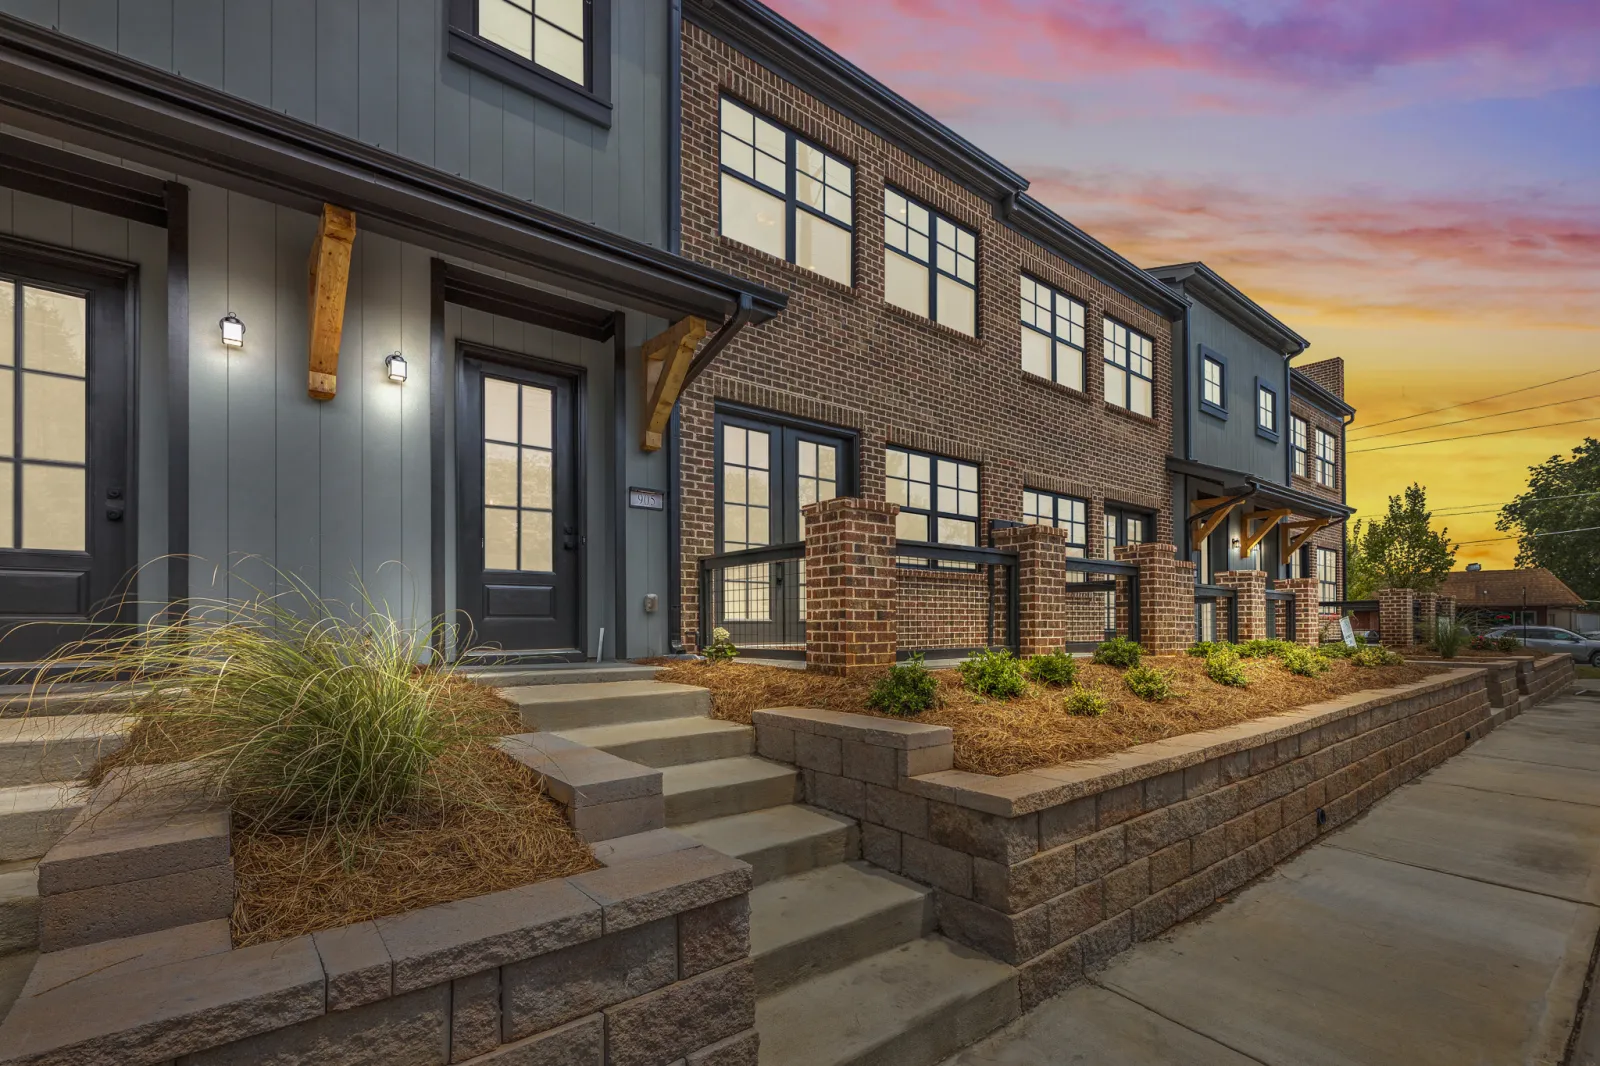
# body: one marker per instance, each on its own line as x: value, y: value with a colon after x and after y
x: 1451, y: 925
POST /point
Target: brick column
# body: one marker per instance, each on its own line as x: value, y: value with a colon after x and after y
x: 1252, y: 601
x: 1447, y: 608
x: 1307, y: 615
x: 850, y: 585
x: 1166, y: 597
x: 1041, y: 585
x: 1428, y: 611
x: 1395, y: 607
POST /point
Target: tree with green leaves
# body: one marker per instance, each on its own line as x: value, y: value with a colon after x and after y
x: 1360, y: 581
x: 1401, y: 550
x: 1563, y: 494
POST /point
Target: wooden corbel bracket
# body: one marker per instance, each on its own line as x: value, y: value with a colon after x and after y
x: 328, y: 283
x: 667, y: 357
x: 1253, y: 535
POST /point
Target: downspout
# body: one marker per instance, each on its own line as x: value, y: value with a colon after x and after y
x: 720, y: 340
x: 1344, y: 498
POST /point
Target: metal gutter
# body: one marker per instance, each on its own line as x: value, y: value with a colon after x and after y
x: 1034, y: 219
x: 1320, y: 396
x: 1218, y: 293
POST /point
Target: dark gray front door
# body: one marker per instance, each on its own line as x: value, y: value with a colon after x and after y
x: 520, y: 520
x: 65, y: 507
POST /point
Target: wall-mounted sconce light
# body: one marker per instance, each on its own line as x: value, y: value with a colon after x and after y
x: 394, y: 365
x: 232, y: 331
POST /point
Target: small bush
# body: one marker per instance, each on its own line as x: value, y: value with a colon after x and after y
x: 1085, y: 703
x: 1150, y: 683
x: 994, y: 673
x: 722, y: 647
x: 1058, y: 668
x: 1307, y: 662
x: 1263, y: 648
x: 1223, y: 667
x: 1338, y: 650
x: 907, y: 690
x: 1119, y: 652
x: 1450, y: 638
x: 1201, y: 648
x: 1507, y: 643
x: 1372, y: 655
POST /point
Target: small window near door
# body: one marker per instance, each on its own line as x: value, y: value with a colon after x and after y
x: 1213, y: 384
x: 518, y: 477
x: 1327, y: 575
x: 1266, y: 410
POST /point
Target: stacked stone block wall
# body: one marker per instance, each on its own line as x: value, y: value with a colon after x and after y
x: 851, y: 586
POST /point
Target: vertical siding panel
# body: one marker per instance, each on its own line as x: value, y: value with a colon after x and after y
x: 147, y: 246
x: 476, y: 326
x: 380, y: 74
x: 38, y: 219
x: 197, y: 41
x: 299, y: 454
x: 517, y: 164
x: 420, y: 55
x: 99, y: 234
x: 94, y: 21
x: 579, y: 189
x: 381, y: 485
x: 43, y: 12
x: 144, y: 31
x: 341, y: 417
x: 549, y: 157
x: 487, y: 131
x: 416, y: 474
x: 629, y: 114
x: 654, y: 113
x: 208, y: 386
x: 294, y: 58
x: 252, y: 414
x: 451, y: 116
x: 338, y: 63
x: 249, y: 66
x: 452, y: 331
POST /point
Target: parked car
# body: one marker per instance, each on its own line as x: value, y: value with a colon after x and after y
x: 1551, y: 639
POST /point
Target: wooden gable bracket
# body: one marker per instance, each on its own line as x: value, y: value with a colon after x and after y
x: 1295, y: 534
x: 328, y: 281
x: 667, y: 357
x: 1268, y: 520
x: 1219, y: 508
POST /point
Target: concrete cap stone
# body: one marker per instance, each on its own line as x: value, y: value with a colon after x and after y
x: 578, y: 775
x: 118, y: 958
x: 620, y: 850
x: 450, y: 940
x: 170, y: 1010
x: 647, y: 889
x: 357, y: 963
x: 866, y: 728
x: 110, y: 850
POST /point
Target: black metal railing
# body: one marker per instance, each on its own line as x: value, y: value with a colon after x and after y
x: 1216, y: 612
x: 1111, y: 590
x: 933, y: 628
x: 1285, y: 631
x: 758, y: 596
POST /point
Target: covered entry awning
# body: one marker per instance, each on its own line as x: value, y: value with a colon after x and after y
x: 1265, y: 505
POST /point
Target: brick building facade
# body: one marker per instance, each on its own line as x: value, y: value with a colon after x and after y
x: 1317, y: 398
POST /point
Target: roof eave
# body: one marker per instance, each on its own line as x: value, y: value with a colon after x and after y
x: 1036, y: 220
x: 1305, y: 388
x: 1228, y: 300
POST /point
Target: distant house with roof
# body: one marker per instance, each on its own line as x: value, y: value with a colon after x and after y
x: 1532, y: 596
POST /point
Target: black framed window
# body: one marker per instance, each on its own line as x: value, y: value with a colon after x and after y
x: 930, y: 264
x: 1266, y: 410
x: 1327, y: 575
x: 1052, y: 334
x: 1299, y: 444
x: 557, y: 50
x: 1062, y: 512
x: 1213, y: 383
x: 784, y: 195
x: 1327, y: 460
x: 1129, y: 369
x: 938, y: 498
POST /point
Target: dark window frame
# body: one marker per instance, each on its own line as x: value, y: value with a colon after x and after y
x: 591, y: 100
x: 1327, y: 588
x: 1056, y: 342
x: 933, y: 512
x: 935, y: 271
x: 1215, y: 410
x: 1328, y: 464
x: 1129, y: 373
x: 1056, y: 500
x: 1273, y: 432
x: 1299, y: 446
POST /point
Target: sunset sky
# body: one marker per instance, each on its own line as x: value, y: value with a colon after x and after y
x: 1413, y: 185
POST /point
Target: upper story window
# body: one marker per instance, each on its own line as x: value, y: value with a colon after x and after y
x: 557, y: 50
x: 1213, y: 383
x: 1052, y: 334
x: 1266, y: 410
x: 1327, y: 459
x: 1299, y: 444
x: 930, y: 264
x: 938, y: 497
x: 784, y: 195
x: 1130, y: 369
x: 1062, y: 512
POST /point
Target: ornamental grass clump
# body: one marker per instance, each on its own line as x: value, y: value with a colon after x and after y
x: 907, y: 690
x: 1057, y: 668
x: 1085, y: 703
x: 1150, y: 684
x: 1119, y: 652
x: 1306, y: 662
x: 1450, y: 638
x: 994, y: 673
x: 1223, y: 667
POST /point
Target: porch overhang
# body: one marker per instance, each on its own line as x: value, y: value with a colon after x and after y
x: 60, y: 86
x: 1262, y: 493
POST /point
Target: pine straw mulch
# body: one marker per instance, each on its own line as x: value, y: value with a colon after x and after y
x: 289, y: 884
x: 1422, y: 651
x: 1007, y: 736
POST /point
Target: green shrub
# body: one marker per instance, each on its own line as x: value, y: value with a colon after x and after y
x: 1223, y: 667
x: 1373, y: 655
x: 1119, y: 652
x: 1307, y: 662
x: 1085, y: 703
x: 1262, y: 648
x: 907, y: 690
x: 1149, y: 683
x: 1058, y: 668
x: 1450, y: 638
x: 722, y: 647
x: 1201, y: 648
x: 1507, y: 643
x: 994, y: 673
x: 1336, y: 650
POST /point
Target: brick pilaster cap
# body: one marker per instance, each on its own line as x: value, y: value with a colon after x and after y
x: 843, y: 505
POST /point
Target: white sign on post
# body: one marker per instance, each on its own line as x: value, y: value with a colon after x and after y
x: 1348, y: 633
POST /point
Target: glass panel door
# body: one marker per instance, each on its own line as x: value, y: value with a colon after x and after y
x: 746, y: 522
x: 44, y: 407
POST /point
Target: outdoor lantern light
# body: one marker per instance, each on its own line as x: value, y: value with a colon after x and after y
x: 394, y: 365
x: 232, y: 331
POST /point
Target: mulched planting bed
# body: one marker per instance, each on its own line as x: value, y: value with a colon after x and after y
x: 1422, y: 651
x: 1007, y: 736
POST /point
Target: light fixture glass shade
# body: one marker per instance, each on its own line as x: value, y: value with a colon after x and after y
x: 395, y: 366
x: 232, y: 331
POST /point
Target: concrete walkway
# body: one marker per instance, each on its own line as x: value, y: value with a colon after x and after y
x: 1451, y: 925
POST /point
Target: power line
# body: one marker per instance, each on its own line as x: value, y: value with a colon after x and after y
x: 1477, y: 418
x: 1552, y: 533
x: 1542, y: 499
x: 1470, y: 436
x: 1485, y: 399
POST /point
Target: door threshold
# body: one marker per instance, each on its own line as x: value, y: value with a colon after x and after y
x: 554, y: 659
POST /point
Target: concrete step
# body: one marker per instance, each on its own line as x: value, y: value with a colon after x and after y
x: 565, y: 706
x: 14, y: 971
x: 913, y: 1005
x: 829, y: 918
x: 717, y: 789
x: 33, y: 817
x: 19, y: 701
x: 564, y: 674
x: 781, y: 841
x: 19, y: 906
x: 37, y: 751
x: 668, y: 742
